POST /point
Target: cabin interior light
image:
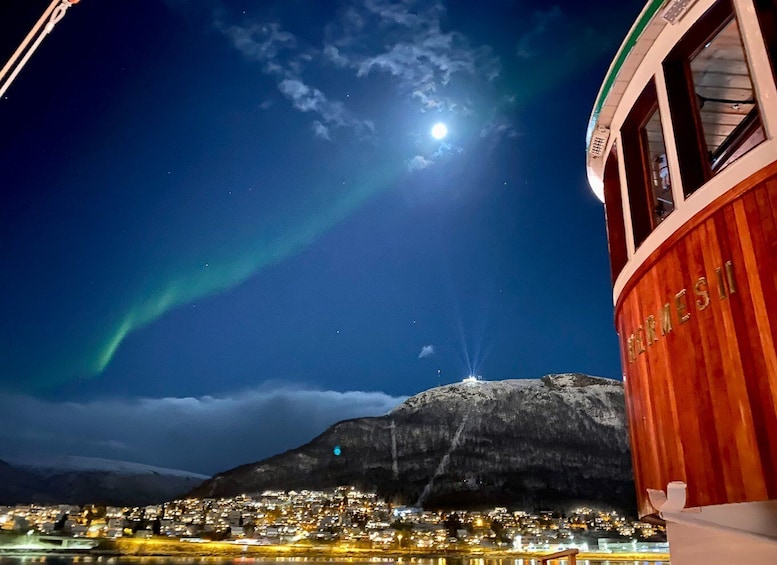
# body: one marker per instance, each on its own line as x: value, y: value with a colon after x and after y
x: 676, y: 9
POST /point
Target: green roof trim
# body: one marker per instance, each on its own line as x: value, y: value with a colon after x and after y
x: 631, y: 40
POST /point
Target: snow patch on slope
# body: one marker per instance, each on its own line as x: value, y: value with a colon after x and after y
x: 592, y: 396
x: 478, y: 392
x: 589, y: 395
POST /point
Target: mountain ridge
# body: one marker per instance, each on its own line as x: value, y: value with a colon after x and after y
x: 88, y: 480
x: 79, y: 463
x: 550, y: 442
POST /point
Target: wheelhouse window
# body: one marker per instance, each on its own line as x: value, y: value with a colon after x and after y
x: 711, y: 97
x: 725, y: 97
x: 660, y: 183
x: 647, y: 169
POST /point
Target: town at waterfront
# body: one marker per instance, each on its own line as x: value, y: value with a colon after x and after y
x: 339, y: 522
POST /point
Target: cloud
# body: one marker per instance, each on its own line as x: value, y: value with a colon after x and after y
x: 307, y: 99
x: 332, y: 113
x: 321, y: 130
x: 304, y: 97
x: 402, y: 39
x: 277, y: 51
x: 204, y: 434
x: 400, y: 13
x: 412, y: 48
x: 499, y: 126
x: 262, y: 42
x: 426, y: 351
x: 333, y: 55
x: 417, y: 163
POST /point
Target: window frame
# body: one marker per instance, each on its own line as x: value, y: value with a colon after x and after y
x: 688, y: 130
x: 636, y: 160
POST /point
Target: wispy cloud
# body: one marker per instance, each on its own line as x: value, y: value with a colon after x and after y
x: 276, y: 50
x: 181, y: 433
x: 262, y: 42
x: 418, y: 162
x: 332, y: 113
x: 412, y: 48
x: 498, y: 126
x: 426, y: 351
x: 403, y: 40
x: 333, y: 55
x: 321, y: 130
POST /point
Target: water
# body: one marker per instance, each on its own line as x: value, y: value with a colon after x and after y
x: 89, y: 560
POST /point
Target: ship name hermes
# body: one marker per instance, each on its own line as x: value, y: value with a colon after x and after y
x: 677, y: 310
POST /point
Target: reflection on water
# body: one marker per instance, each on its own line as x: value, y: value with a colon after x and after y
x: 95, y: 560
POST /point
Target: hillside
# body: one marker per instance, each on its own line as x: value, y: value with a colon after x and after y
x: 552, y: 443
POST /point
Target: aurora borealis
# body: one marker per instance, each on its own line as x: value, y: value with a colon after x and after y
x: 199, y: 199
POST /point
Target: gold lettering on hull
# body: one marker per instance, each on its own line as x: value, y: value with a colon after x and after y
x: 650, y: 324
x: 640, y: 340
x: 721, y: 283
x: 666, y: 319
x: 632, y: 354
x: 682, y: 306
x: 679, y: 309
x: 701, y: 291
x: 732, y: 285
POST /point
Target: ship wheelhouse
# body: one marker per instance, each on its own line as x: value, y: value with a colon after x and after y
x: 682, y: 150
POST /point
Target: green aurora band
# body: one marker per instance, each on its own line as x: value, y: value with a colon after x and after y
x: 586, y: 43
x: 227, y: 274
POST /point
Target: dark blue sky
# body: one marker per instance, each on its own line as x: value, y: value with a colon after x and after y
x: 215, y: 202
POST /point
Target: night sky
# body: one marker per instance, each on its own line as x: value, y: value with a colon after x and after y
x: 226, y: 225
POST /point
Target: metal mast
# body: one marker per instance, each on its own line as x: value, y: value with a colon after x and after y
x: 51, y: 17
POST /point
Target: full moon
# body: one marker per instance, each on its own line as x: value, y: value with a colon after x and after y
x: 439, y: 130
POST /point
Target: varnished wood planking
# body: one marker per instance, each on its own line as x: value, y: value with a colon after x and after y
x: 715, y: 408
x: 766, y: 316
x: 762, y: 376
x: 742, y: 312
x: 702, y: 400
x: 731, y: 384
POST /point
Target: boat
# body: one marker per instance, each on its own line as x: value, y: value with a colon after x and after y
x: 682, y: 151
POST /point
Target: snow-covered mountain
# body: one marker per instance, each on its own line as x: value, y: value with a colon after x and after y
x: 58, y: 464
x: 82, y: 480
x: 546, y: 443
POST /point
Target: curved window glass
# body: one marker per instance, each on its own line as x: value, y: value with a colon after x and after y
x: 647, y: 169
x: 725, y: 98
x: 660, y: 182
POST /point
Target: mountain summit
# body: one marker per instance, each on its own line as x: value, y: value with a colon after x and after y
x: 549, y: 443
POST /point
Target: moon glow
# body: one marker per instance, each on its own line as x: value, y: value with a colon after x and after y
x: 439, y: 130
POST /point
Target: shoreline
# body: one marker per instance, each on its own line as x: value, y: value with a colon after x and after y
x: 133, y: 547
